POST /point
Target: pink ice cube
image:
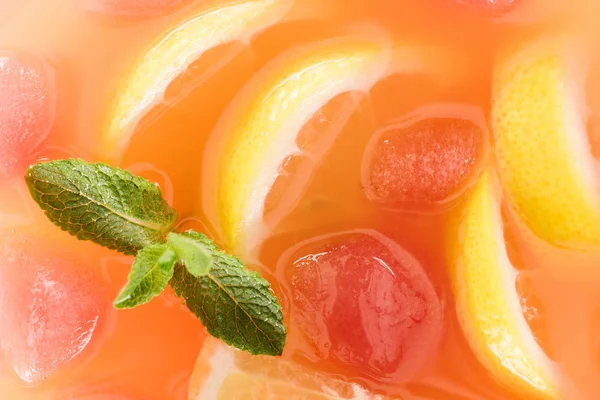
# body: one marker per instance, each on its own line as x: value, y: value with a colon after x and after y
x: 364, y: 304
x: 26, y: 109
x: 422, y: 164
x: 49, y: 307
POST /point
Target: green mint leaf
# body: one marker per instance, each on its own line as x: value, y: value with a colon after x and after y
x: 201, y: 238
x: 106, y: 205
x: 194, y: 254
x: 236, y: 305
x: 150, y: 274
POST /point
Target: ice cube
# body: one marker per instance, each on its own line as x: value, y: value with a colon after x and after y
x: 106, y: 396
x: 131, y: 7
x: 49, y: 307
x: 26, y: 108
x: 364, y: 304
x: 426, y: 163
x: 490, y: 6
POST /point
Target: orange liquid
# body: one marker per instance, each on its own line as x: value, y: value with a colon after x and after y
x: 148, y: 353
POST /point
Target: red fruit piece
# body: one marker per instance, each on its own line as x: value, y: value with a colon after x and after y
x: 426, y: 163
x: 26, y: 109
x: 365, y: 304
x: 131, y: 7
x: 49, y: 307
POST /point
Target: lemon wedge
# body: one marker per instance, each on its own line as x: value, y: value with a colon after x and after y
x: 488, y: 305
x: 224, y: 373
x: 144, y: 87
x: 258, y: 134
x: 545, y: 163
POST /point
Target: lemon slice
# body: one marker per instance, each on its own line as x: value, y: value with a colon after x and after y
x: 258, y: 134
x: 544, y: 158
x: 488, y: 305
x: 171, y: 55
x: 223, y: 373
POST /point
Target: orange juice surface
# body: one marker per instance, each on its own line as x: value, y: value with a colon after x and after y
x: 416, y: 179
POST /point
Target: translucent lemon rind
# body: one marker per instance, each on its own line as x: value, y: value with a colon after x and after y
x: 263, y: 132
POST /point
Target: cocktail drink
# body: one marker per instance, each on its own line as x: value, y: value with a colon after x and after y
x: 299, y: 199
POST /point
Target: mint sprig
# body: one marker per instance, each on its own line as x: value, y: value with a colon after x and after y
x: 118, y: 210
